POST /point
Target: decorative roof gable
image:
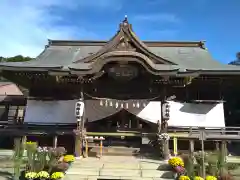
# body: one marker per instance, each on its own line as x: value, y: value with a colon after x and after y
x: 125, y: 40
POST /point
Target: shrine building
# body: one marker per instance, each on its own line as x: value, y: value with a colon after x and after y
x: 129, y: 90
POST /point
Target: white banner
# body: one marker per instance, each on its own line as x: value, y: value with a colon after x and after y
x: 50, y: 112
x: 196, y: 115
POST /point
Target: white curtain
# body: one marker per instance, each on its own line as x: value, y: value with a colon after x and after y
x: 196, y: 115
x: 181, y: 114
x: 151, y: 113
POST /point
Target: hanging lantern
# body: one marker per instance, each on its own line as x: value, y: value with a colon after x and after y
x: 116, y: 104
x: 144, y: 105
x: 106, y: 103
x: 134, y: 105
x: 126, y: 105
x: 101, y: 103
x: 166, y: 110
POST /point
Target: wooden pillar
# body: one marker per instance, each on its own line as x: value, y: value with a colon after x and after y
x: 86, y: 147
x: 164, y: 128
x: 165, y: 143
x: 80, y: 132
x: 223, y: 157
x: 78, y: 151
x: 191, y: 158
x: 55, y: 141
x: 217, y: 145
x: 101, y: 148
x: 191, y: 148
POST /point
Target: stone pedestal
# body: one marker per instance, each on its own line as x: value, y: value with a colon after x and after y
x: 166, y: 154
x: 78, y: 146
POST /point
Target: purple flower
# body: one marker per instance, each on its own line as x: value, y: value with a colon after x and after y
x: 179, y: 169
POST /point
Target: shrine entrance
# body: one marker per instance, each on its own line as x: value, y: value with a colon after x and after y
x: 123, y: 134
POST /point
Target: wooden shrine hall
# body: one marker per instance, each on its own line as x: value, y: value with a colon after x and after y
x: 131, y: 89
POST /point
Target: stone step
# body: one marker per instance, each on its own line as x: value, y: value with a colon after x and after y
x: 120, y: 172
x: 157, y: 174
x: 83, y: 171
x: 162, y: 166
x: 76, y: 177
x: 130, y: 166
x: 117, y: 167
x: 115, y: 151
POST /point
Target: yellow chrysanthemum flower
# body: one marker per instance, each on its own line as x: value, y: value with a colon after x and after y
x: 211, y: 178
x: 176, y: 161
x: 30, y: 143
x: 31, y: 175
x: 57, y: 175
x: 198, y: 178
x: 184, y: 178
x: 68, y: 158
x: 43, y: 174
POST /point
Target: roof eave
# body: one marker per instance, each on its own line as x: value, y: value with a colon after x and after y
x: 218, y: 72
x: 15, y: 68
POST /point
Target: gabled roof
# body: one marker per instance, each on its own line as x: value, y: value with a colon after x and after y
x: 81, y: 56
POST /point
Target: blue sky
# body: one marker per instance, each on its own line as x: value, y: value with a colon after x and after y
x: 26, y: 24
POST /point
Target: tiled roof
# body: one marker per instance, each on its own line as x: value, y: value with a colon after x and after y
x: 66, y: 55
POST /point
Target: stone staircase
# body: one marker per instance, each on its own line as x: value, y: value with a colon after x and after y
x: 117, y: 167
x: 146, y: 151
x: 114, y: 151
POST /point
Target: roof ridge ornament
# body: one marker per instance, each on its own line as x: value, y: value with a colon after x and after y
x: 125, y: 23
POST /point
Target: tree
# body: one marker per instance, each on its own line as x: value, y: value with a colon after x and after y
x: 18, y: 58
x: 237, y: 61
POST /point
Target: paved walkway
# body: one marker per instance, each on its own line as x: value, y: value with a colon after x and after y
x: 119, y: 167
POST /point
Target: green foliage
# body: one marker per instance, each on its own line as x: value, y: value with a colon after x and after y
x: 212, y: 160
x: 54, y: 155
x: 199, y: 160
x: 42, y: 159
x: 19, y: 147
x: 31, y: 148
x: 18, y: 58
x: 189, y: 164
x: 232, y: 166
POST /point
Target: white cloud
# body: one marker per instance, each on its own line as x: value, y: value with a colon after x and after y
x: 27, y: 24
x: 159, y: 17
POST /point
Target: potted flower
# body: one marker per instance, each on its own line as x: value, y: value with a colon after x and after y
x: 211, y: 178
x: 30, y: 175
x: 177, y: 165
x: 42, y: 175
x: 176, y: 161
x: 69, y: 159
x: 179, y: 170
x: 184, y: 178
x: 198, y: 178
x: 57, y: 175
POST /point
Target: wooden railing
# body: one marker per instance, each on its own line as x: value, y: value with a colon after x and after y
x: 226, y: 133
x: 209, y: 132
